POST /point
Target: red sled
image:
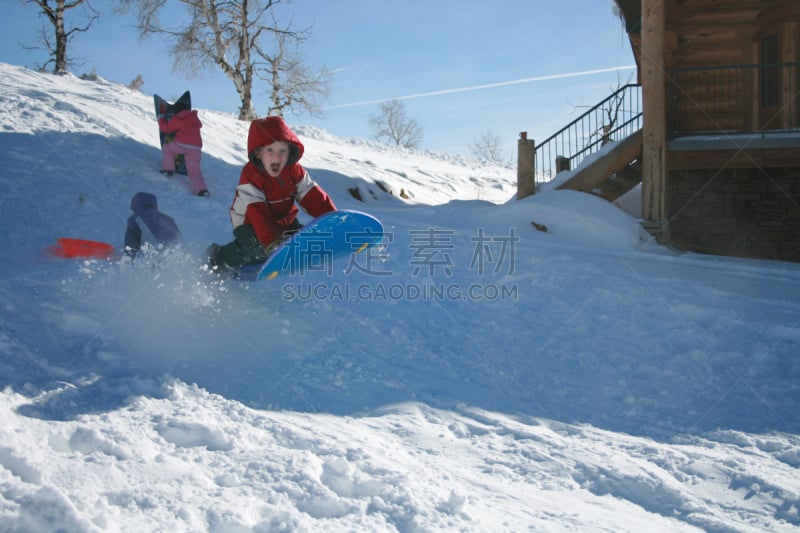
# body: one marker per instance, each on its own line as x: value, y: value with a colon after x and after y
x: 72, y: 248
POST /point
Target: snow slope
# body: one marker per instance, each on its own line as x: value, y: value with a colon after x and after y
x: 474, y: 374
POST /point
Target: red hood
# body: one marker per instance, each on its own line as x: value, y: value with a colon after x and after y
x: 265, y: 131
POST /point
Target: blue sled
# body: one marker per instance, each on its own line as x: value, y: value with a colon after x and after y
x: 313, y: 248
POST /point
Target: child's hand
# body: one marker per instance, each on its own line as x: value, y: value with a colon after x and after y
x: 284, y: 221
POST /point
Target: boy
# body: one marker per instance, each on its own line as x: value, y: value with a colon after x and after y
x: 263, y: 212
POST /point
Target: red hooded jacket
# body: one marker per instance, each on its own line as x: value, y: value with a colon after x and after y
x: 267, y: 203
x: 186, y: 127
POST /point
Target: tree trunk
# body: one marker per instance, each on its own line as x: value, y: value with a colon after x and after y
x: 277, y: 90
x: 61, y: 40
x: 246, y: 111
x: 244, y: 86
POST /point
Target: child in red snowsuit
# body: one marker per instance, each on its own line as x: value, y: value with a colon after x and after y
x: 185, y: 125
x: 263, y: 212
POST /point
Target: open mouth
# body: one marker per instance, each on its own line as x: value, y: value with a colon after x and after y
x: 275, y: 168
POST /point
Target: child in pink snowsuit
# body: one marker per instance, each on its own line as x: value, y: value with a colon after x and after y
x: 185, y: 125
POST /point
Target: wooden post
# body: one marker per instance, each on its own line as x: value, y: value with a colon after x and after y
x: 526, y: 166
x: 789, y: 54
x: 562, y: 163
x: 654, y: 118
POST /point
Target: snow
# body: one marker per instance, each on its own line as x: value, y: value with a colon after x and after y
x: 473, y: 374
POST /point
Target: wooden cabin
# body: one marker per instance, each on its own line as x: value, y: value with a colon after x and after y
x: 718, y: 148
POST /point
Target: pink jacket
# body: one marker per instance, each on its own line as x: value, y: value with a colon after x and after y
x: 186, y: 127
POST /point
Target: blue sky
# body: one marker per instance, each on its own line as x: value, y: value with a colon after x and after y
x: 460, y: 67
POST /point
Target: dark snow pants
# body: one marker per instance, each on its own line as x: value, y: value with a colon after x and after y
x: 246, y: 248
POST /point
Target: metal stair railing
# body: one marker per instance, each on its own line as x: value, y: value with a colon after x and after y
x: 615, y: 118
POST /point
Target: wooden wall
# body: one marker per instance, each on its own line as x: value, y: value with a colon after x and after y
x: 723, y: 32
x: 727, y: 201
x: 713, y: 33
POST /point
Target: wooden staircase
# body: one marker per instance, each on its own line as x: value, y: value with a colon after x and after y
x: 611, y: 174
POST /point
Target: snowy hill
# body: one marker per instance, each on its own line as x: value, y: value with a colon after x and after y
x: 479, y: 375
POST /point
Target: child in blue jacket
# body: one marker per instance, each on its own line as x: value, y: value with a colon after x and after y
x: 149, y: 227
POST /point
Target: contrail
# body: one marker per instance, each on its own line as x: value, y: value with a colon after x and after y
x: 485, y: 86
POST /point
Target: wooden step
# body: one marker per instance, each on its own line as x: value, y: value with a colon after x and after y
x: 621, y: 182
x: 589, y: 177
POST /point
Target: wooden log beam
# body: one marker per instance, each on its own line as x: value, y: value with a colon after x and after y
x: 526, y: 166
x: 654, y: 115
x: 749, y: 158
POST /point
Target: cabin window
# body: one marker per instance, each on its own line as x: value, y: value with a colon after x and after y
x: 769, y: 70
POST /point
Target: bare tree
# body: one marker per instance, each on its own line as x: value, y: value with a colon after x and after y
x: 488, y: 146
x: 235, y: 36
x: 53, y: 11
x: 393, y: 125
x: 609, y: 114
x: 292, y: 84
x: 137, y: 83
